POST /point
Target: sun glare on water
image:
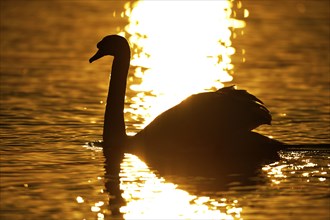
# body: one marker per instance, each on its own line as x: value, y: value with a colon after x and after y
x: 151, y: 197
x: 178, y: 48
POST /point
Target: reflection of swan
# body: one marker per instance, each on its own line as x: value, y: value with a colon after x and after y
x: 207, y: 128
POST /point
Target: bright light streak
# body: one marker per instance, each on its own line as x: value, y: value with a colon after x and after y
x: 179, y: 48
x: 149, y: 197
x: 79, y: 199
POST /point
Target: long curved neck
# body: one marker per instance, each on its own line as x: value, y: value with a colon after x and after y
x: 114, y: 134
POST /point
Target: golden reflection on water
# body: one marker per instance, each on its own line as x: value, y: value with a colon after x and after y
x: 151, y: 197
x: 306, y: 170
x: 178, y: 48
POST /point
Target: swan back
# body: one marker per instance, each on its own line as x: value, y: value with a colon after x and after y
x: 205, y: 119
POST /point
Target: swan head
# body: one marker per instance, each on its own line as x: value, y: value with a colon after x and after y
x: 113, y: 45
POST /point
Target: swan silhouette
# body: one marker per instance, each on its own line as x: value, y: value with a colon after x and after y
x: 210, y: 129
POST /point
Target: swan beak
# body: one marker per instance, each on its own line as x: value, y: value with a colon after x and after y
x: 97, y: 56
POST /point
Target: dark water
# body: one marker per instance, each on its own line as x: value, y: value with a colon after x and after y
x: 52, y: 104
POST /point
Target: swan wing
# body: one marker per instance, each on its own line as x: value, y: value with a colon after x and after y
x: 207, y: 117
x: 246, y: 107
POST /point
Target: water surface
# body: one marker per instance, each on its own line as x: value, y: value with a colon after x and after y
x: 52, y: 103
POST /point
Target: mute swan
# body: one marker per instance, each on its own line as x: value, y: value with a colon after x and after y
x: 208, y: 128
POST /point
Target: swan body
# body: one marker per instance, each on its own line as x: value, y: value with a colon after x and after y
x: 207, y: 117
x: 211, y: 128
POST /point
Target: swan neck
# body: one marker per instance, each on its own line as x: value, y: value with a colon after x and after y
x: 114, y: 125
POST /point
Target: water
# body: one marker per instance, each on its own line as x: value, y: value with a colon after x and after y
x: 52, y: 104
